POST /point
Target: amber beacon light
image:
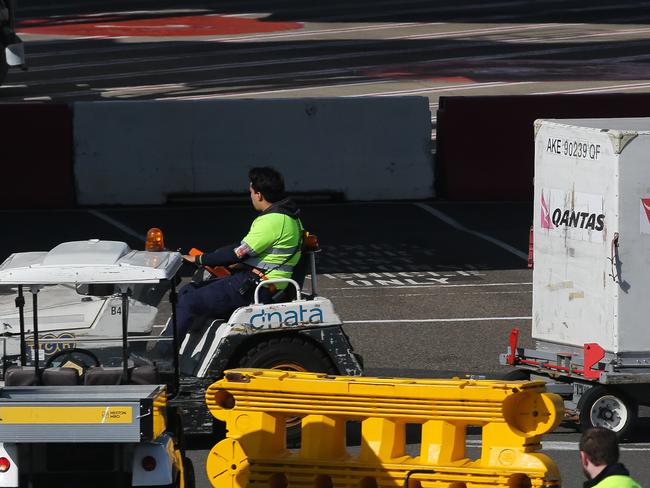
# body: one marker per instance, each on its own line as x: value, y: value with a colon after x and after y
x: 155, y: 240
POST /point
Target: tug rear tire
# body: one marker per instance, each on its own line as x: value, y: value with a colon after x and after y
x: 608, y: 408
x: 288, y: 354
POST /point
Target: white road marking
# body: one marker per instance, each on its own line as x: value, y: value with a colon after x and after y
x: 340, y: 30
x: 464, y: 86
x: 115, y: 223
x: 486, y: 30
x: 599, y: 89
x: 442, y: 88
x: 458, y: 226
x: 568, y: 445
x: 400, y: 287
x: 428, y: 294
x: 418, y: 321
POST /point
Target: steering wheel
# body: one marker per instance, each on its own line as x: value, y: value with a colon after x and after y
x: 74, y: 356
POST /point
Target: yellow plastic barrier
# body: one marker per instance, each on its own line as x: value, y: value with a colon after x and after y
x: 255, y: 405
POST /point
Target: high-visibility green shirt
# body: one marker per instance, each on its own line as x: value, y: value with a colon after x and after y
x: 618, y: 481
x: 274, y: 239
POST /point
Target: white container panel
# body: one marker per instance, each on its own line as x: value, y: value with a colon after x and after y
x: 634, y: 246
x: 575, y: 214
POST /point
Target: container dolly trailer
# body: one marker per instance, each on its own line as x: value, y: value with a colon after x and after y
x: 591, y: 278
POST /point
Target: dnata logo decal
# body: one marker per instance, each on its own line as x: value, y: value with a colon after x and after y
x: 295, y: 317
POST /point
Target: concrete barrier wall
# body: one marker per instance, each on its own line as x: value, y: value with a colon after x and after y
x: 36, y: 155
x: 485, y: 145
x: 143, y: 152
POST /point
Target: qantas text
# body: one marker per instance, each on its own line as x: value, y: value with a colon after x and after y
x: 579, y: 220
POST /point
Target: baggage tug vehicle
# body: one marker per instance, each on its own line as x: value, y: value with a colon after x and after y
x: 95, y: 407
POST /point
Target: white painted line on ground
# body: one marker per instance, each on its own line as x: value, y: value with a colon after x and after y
x: 464, y: 86
x: 568, y: 445
x: 340, y: 30
x: 115, y: 223
x: 428, y: 294
x: 418, y: 321
x: 442, y: 88
x: 458, y: 226
x: 401, y: 287
x: 599, y: 89
x: 485, y: 30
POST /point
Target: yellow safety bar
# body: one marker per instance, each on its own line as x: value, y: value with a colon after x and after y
x: 255, y: 405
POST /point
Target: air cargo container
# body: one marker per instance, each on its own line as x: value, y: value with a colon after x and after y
x: 591, y: 277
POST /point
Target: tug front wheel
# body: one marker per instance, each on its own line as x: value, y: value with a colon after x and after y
x: 604, y: 407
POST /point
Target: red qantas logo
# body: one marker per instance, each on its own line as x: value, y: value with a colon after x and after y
x: 645, y: 203
x: 546, y: 215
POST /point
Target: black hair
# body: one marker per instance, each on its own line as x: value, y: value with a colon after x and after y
x: 269, y: 182
x: 600, y: 445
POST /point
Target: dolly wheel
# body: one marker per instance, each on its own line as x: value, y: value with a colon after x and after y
x: 517, y: 375
x: 604, y: 407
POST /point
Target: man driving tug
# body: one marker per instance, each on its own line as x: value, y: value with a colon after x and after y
x: 270, y: 250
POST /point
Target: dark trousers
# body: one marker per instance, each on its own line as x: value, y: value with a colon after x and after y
x: 216, y: 299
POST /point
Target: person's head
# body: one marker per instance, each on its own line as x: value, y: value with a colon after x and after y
x: 598, y: 449
x: 266, y: 186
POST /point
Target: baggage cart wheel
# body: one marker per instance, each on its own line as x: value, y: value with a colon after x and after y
x: 608, y: 408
